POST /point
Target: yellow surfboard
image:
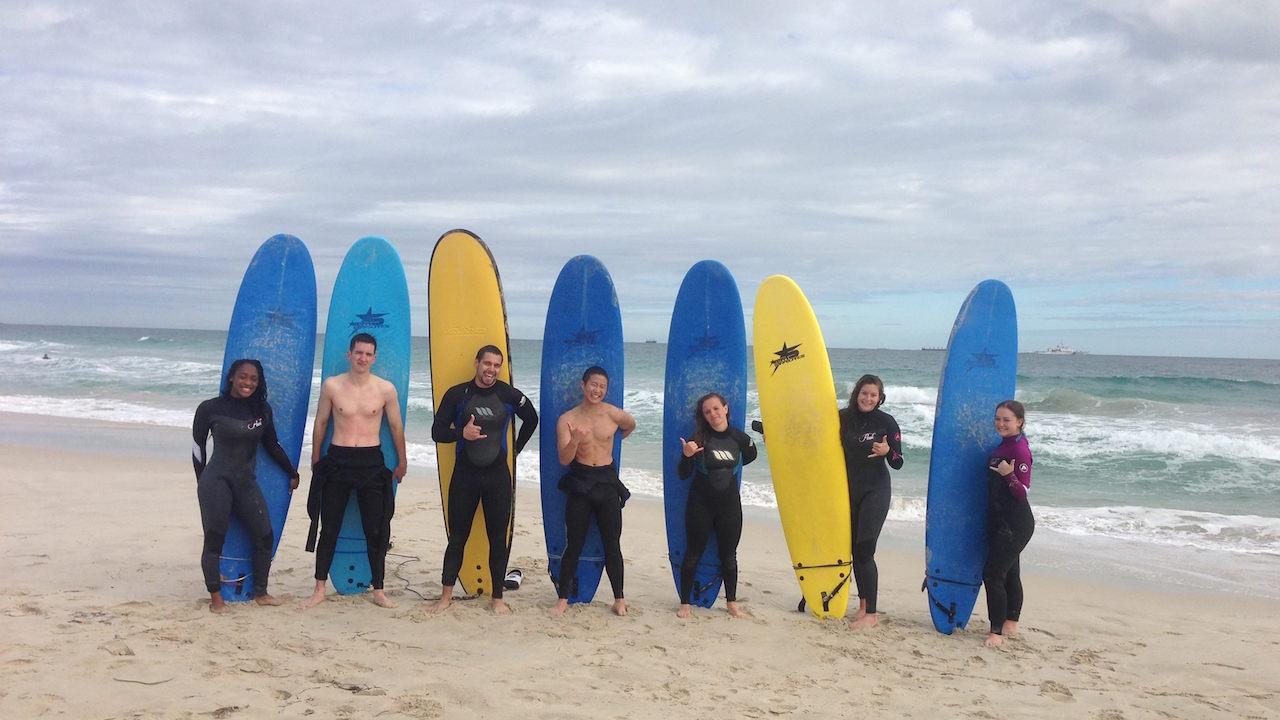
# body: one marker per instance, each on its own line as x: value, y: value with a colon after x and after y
x: 467, y: 312
x: 802, y: 430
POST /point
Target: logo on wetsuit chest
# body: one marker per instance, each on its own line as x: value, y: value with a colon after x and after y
x: 482, y: 411
x: 368, y: 320
x: 786, y: 355
x: 867, y: 437
x: 722, y: 455
x: 254, y: 424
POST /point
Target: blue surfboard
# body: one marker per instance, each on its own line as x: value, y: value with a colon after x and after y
x: 584, y: 328
x: 370, y: 295
x: 274, y: 322
x: 706, y: 352
x: 979, y: 372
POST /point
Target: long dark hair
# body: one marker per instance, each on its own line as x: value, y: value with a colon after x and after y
x: 259, y: 396
x: 850, y: 411
x: 701, y: 428
x: 1018, y: 411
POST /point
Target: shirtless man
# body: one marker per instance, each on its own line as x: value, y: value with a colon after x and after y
x: 356, y: 400
x: 584, y: 439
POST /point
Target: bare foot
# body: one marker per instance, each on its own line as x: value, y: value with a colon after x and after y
x: 270, y: 600
x: 868, y: 620
x: 317, y: 597
x: 381, y: 600
x: 861, y: 612
x: 217, y: 605
x: 994, y: 640
x: 734, y: 610
x: 685, y: 611
x: 499, y: 607
x: 1010, y: 628
x: 446, y: 598
x: 558, y: 609
x: 620, y: 607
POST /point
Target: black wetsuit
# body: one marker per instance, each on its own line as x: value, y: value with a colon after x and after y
x: 480, y: 473
x: 343, y: 470
x: 598, y: 491
x: 714, y: 505
x: 869, y: 489
x: 226, y: 481
x: 1010, y: 525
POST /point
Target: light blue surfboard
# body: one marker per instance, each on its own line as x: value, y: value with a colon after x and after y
x: 370, y: 295
x: 274, y: 322
x: 584, y: 328
x: 979, y: 372
x: 706, y: 352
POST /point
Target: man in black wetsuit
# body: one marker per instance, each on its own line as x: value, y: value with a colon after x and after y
x: 476, y: 416
x: 239, y: 419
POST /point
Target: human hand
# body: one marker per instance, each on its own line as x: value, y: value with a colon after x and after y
x: 471, y: 431
x: 293, y: 483
x: 690, y: 448
x: 1005, y: 468
x: 401, y: 469
x: 579, y: 432
x: 880, y: 447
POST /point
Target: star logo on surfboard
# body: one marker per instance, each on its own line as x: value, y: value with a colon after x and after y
x: 785, y: 355
x: 368, y: 320
x: 705, y: 343
x: 279, y: 318
x: 983, y: 360
x: 584, y: 337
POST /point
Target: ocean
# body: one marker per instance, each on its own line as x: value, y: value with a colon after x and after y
x: 1171, y: 464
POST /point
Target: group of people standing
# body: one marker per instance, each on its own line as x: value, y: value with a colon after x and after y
x: 477, y: 417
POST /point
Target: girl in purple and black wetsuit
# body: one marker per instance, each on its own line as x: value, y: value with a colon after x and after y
x: 1009, y: 521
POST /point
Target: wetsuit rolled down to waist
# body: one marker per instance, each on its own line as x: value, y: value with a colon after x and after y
x: 592, y: 490
x: 340, y: 472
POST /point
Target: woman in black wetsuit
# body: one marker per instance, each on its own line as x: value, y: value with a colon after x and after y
x: 714, y: 455
x: 239, y: 419
x: 1010, y: 523
x: 872, y: 444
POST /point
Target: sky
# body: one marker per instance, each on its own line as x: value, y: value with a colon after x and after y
x: 1116, y: 163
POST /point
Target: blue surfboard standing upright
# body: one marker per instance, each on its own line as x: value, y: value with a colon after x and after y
x: 584, y: 328
x: 706, y: 352
x: 274, y: 322
x: 980, y: 370
x: 370, y: 295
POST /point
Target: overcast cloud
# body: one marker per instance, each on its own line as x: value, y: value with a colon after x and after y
x: 1116, y: 163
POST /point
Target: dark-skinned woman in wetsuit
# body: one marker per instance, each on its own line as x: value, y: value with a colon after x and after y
x: 714, y: 456
x: 239, y: 419
x: 1010, y: 523
x: 872, y: 444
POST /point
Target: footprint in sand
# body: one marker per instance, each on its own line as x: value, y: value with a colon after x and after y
x: 1056, y: 691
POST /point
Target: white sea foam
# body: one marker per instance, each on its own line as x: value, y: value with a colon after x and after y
x: 1251, y: 534
x: 1076, y: 437
x: 105, y: 409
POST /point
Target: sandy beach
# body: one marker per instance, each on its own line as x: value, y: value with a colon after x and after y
x: 104, y: 615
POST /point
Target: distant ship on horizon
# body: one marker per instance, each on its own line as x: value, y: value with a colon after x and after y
x: 1061, y: 349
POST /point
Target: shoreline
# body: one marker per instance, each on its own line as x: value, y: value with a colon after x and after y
x: 1121, y: 562
x: 107, y: 617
